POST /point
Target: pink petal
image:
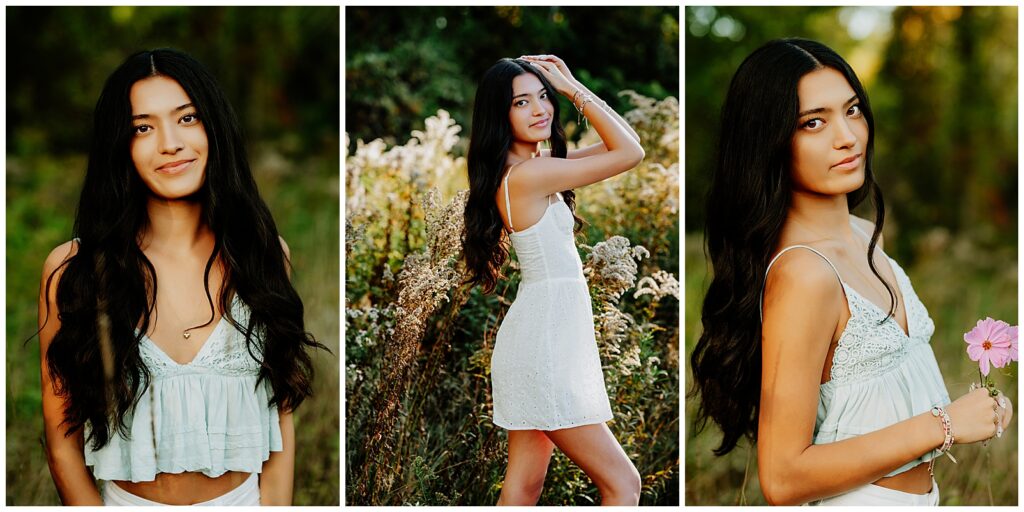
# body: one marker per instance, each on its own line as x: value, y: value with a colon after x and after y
x: 999, y: 331
x: 983, y: 363
x: 975, y: 352
x: 1000, y: 343
x: 974, y: 336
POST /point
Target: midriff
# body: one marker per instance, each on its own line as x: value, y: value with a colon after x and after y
x: 913, y: 481
x: 184, y: 488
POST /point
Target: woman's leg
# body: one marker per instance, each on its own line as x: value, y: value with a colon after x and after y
x: 594, y: 449
x: 529, y: 452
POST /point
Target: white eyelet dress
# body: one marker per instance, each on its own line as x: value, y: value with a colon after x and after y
x: 879, y: 376
x: 545, y: 369
x: 207, y: 416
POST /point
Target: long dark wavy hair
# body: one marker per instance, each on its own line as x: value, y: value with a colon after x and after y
x: 489, y: 143
x: 108, y: 288
x: 746, y: 208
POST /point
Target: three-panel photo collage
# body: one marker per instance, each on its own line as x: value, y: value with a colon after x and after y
x: 371, y: 255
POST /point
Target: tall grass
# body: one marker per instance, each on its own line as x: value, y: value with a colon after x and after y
x: 303, y: 195
x: 418, y: 343
x: 960, y: 280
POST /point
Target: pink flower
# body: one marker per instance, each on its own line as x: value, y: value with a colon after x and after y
x: 1013, y: 342
x: 991, y: 342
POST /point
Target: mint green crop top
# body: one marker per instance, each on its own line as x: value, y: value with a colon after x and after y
x: 880, y: 375
x: 206, y: 416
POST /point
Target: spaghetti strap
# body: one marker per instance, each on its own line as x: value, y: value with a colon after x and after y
x: 508, y: 205
x: 760, y: 307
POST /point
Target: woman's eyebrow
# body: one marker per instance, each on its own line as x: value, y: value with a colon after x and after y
x: 826, y: 109
x: 542, y: 89
x: 177, y: 109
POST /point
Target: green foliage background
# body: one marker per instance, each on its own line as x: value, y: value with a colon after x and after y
x: 403, y: 64
x: 943, y: 86
x: 422, y: 434
x: 279, y: 68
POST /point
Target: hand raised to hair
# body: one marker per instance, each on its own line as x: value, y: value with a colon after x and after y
x: 554, y: 60
x: 558, y: 80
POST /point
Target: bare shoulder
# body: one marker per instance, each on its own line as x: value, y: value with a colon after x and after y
x: 802, y: 271
x: 802, y: 305
x: 802, y: 284
x: 867, y: 227
x: 58, y: 256
x: 285, y: 248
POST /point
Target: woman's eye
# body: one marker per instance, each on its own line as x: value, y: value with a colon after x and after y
x: 544, y: 95
x: 142, y: 128
x: 813, y: 124
x: 854, y: 111
x: 189, y: 118
x: 520, y: 103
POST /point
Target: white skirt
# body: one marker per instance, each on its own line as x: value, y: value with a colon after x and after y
x: 872, y: 494
x: 246, y: 494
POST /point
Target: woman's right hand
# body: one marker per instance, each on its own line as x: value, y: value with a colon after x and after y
x: 974, y: 416
x: 554, y: 75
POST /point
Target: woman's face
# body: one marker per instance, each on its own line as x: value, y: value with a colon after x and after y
x: 829, y: 147
x: 169, y: 145
x: 531, y: 112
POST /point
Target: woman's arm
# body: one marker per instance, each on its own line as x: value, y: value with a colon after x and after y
x: 64, y: 454
x: 593, y: 149
x: 278, y: 476
x: 802, y: 306
x: 545, y: 176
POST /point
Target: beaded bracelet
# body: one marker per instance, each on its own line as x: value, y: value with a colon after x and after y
x: 948, y: 440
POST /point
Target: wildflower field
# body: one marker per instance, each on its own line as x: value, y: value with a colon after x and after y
x: 418, y: 342
x: 959, y: 279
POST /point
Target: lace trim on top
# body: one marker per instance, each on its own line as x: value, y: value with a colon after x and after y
x: 870, y: 346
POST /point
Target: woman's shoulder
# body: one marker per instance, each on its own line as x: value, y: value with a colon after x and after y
x: 59, y: 255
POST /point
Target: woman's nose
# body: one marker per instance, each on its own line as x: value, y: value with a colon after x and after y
x: 844, y: 136
x: 170, y: 141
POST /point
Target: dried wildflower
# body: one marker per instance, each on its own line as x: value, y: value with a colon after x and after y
x: 659, y: 285
x: 611, y: 268
x: 424, y: 281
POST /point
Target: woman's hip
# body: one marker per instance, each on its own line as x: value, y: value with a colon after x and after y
x: 248, y: 493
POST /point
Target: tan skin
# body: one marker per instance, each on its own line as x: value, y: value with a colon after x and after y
x: 169, y: 152
x: 805, y: 313
x: 531, y: 184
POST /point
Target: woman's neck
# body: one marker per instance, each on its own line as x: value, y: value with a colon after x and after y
x: 824, y: 216
x: 524, y: 150
x: 175, y: 226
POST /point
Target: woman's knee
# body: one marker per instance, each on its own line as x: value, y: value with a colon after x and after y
x: 623, y: 486
x: 521, y: 491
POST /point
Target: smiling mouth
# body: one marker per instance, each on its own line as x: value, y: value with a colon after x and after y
x: 174, y: 167
x: 848, y: 163
x: 541, y: 124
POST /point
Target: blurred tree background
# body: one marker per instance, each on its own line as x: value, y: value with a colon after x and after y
x: 943, y: 86
x: 417, y: 341
x: 402, y: 64
x: 279, y: 68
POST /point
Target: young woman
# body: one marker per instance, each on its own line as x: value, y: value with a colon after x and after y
x: 172, y: 344
x: 546, y: 374
x: 814, y: 341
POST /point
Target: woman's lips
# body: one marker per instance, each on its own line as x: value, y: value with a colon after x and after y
x: 174, y: 167
x: 847, y: 164
x: 541, y: 124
